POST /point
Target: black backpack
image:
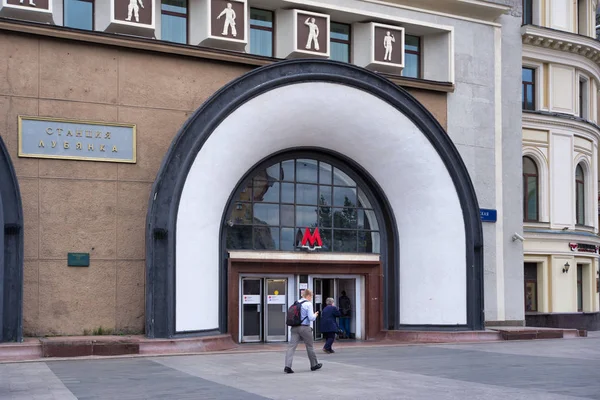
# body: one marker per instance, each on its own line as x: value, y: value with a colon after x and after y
x: 294, y: 314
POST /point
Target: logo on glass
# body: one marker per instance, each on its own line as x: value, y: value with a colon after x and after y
x: 311, y: 241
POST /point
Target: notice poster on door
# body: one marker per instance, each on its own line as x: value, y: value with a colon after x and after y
x: 275, y: 299
x: 251, y: 299
x: 318, y: 298
x: 305, y: 285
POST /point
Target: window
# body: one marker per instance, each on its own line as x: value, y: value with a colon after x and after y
x: 412, y: 57
x: 527, y: 12
x: 340, y: 42
x: 174, y: 21
x: 261, y: 32
x: 579, y: 287
x: 580, y: 195
x: 278, y: 203
x: 531, y: 287
x: 583, y: 97
x: 79, y: 14
x: 528, y: 95
x: 530, y: 190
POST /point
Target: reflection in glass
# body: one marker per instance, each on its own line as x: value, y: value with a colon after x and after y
x: 287, y: 239
x: 287, y: 192
x: 288, y: 170
x: 325, y: 217
x: 287, y: 215
x: 79, y: 14
x: 173, y: 28
x: 306, y: 216
x: 266, y: 238
x: 266, y: 214
x: 344, y: 241
x: 340, y: 178
x: 306, y: 194
x: 325, y: 198
x: 344, y: 196
x: 306, y: 171
x: 239, y: 237
x: 241, y: 214
x: 344, y: 218
x: 269, y: 214
x: 266, y: 191
x: 340, y: 42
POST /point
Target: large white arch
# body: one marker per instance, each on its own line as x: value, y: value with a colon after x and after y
x: 361, y: 126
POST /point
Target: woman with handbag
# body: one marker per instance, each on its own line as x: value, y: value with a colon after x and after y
x: 329, y: 326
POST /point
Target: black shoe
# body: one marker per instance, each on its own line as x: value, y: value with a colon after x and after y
x: 316, y: 367
x: 331, y: 351
x: 288, y: 370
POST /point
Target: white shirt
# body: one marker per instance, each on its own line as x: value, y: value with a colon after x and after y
x: 306, y: 313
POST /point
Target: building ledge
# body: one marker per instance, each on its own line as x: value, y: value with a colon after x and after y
x: 215, y: 54
x: 561, y: 119
x: 478, y: 9
x: 561, y: 41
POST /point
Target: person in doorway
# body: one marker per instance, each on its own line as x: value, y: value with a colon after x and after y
x: 303, y: 333
x: 346, y: 311
x: 329, y: 326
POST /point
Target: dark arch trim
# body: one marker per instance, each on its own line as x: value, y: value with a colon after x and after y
x: 168, y: 186
x: 11, y: 252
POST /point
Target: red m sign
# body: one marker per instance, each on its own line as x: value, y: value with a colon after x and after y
x: 314, y: 239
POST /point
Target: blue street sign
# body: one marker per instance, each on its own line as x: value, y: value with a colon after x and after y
x: 488, y: 215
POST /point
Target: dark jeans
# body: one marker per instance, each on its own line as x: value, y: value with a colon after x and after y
x: 329, y: 338
x: 345, y: 325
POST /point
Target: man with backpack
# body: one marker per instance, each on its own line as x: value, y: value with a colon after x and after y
x: 300, y: 315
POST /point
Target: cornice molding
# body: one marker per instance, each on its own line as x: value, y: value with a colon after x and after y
x: 564, y: 121
x: 567, y: 42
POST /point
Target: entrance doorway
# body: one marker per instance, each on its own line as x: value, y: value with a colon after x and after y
x: 263, y: 309
x: 324, y: 287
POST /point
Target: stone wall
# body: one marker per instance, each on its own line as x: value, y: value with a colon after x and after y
x: 99, y: 207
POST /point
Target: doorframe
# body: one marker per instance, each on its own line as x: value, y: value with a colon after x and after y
x: 291, y: 284
x: 370, y: 271
x: 359, y: 305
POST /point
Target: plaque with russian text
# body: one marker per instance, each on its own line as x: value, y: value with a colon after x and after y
x: 41, y: 137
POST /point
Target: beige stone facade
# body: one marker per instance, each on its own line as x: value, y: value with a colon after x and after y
x: 96, y: 207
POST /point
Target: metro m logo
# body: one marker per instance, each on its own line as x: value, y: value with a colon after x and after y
x: 314, y: 240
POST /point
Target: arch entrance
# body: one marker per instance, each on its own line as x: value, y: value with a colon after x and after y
x: 424, y: 273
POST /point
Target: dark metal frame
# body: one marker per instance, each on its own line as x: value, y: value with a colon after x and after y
x: 527, y: 12
x: 93, y: 12
x: 537, y: 193
x: 168, y: 186
x: 347, y: 42
x: 524, y: 86
x: 264, y: 28
x: 180, y: 15
x: 315, y: 155
x: 11, y: 251
x: 534, y: 281
x: 579, y: 273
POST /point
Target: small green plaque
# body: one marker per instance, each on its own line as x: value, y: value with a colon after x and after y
x: 78, y: 259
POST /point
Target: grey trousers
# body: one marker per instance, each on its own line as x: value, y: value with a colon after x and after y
x: 301, y: 333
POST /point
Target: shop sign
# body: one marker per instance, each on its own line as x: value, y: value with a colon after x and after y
x: 488, y: 215
x: 583, y: 248
x: 312, y: 241
x: 76, y: 140
x: 78, y: 259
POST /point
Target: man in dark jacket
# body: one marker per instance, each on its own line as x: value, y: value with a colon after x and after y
x: 346, y: 310
x: 329, y: 324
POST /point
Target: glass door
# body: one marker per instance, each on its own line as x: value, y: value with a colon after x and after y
x: 252, y: 310
x: 276, y: 310
x: 318, y: 306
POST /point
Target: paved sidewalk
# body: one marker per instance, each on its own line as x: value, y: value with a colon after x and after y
x: 545, y: 369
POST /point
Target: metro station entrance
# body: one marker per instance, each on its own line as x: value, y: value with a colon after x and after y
x: 325, y: 287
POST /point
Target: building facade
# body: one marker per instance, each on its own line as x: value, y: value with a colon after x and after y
x: 168, y: 173
x: 560, y: 163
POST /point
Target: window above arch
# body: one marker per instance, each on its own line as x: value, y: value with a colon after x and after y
x: 276, y: 204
